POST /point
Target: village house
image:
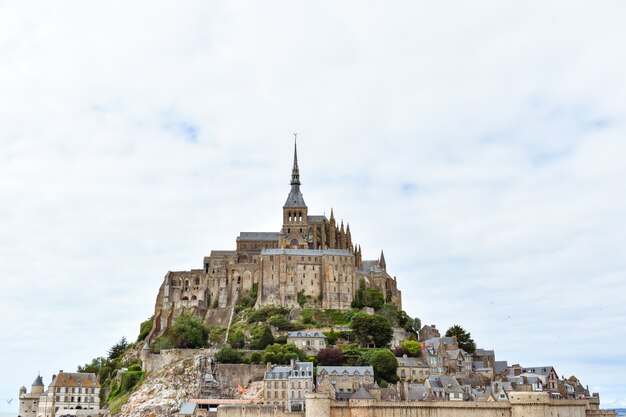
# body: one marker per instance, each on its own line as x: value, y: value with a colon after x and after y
x: 346, y: 379
x: 288, y: 385
x: 412, y: 369
x: 457, y: 362
x: 75, y: 393
x: 310, y: 342
x: 444, y: 388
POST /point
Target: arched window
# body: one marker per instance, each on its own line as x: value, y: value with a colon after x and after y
x: 197, y: 281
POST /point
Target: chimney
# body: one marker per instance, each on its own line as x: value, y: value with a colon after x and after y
x: 293, y: 363
x: 268, y: 367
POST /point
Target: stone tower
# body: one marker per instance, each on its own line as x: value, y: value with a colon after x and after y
x: 295, y: 231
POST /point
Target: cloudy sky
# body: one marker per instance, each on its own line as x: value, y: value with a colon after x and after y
x: 481, y: 145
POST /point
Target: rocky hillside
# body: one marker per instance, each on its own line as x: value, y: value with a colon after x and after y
x: 163, y: 391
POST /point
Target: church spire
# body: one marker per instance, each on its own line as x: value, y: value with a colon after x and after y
x: 381, y: 261
x: 295, y: 172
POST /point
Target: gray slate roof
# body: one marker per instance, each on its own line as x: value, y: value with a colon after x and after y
x: 316, y: 219
x: 306, y: 252
x: 447, y: 383
x: 38, y: 382
x: 341, y: 369
x: 500, y: 367
x: 295, y: 199
x: 316, y: 335
x: 361, y: 394
x: 411, y: 362
x: 258, y: 236
x: 417, y: 392
x: 188, y: 408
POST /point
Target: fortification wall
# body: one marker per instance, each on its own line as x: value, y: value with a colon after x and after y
x: 368, y: 408
x: 261, y: 410
x: 522, y: 404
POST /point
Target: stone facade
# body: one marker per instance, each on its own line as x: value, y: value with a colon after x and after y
x: 287, y: 386
x: 311, y: 259
x: 76, y: 393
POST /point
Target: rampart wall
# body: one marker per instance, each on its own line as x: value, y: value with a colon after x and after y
x: 520, y: 404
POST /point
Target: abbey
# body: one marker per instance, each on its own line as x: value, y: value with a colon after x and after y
x: 310, y: 261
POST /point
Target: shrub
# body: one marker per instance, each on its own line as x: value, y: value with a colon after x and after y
x: 302, y: 299
x: 332, y: 356
x: 261, y: 338
x: 371, y: 329
x: 144, y: 329
x: 413, y: 347
x: 256, y: 357
x: 228, y: 355
x: 188, y: 332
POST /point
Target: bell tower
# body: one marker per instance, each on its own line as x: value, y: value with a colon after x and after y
x: 294, y: 233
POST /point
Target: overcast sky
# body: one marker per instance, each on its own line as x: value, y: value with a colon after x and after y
x: 481, y: 144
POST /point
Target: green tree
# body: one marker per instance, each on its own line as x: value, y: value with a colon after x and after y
x: 261, y: 338
x: 188, y: 332
x: 95, y: 365
x: 359, y: 297
x: 374, y: 298
x: 383, y: 361
x: 228, y: 355
x: 237, y: 339
x: 370, y: 329
x: 463, y: 338
x: 118, y: 348
x: 412, y: 346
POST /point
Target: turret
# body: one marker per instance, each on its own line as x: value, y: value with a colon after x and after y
x: 37, y: 387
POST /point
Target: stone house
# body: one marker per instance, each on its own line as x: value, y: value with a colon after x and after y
x: 288, y: 385
x: 412, y: 369
x: 434, y: 352
x: 76, y: 393
x: 310, y: 342
x: 428, y: 332
x: 444, y: 388
x: 549, y: 376
x: 416, y: 392
x: 457, y: 362
x: 346, y: 379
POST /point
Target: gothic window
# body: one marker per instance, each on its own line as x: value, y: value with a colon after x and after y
x: 197, y: 281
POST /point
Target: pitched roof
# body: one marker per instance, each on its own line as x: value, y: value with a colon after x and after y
x: 417, y: 392
x: 351, y: 370
x: 258, y: 236
x: 316, y: 335
x: 361, y: 394
x: 411, y: 362
x: 188, y: 408
x: 67, y: 379
x: 306, y: 252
